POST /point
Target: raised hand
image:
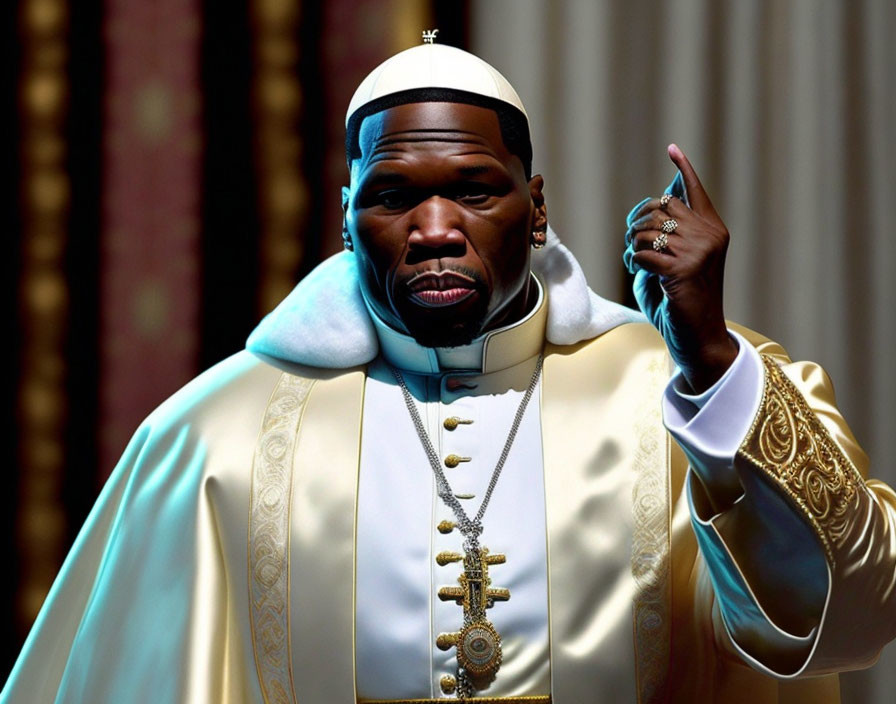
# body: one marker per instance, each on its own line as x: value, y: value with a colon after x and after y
x: 679, y: 272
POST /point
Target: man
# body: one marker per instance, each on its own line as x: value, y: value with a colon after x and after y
x: 437, y: 475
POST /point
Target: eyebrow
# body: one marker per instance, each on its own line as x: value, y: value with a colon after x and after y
x: 476, y: 170
x: 385, y: 178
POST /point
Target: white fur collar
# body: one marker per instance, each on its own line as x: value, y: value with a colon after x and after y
x: 323, y: 322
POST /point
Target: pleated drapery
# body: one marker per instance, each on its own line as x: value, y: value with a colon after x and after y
x: 786, y: 110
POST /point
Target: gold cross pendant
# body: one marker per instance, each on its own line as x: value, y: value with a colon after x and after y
x: 478, y: 643
x: 474, y: 592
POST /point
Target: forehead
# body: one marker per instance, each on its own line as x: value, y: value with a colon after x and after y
x: 474, y: 127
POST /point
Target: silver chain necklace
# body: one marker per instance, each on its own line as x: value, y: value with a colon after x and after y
x: 478, y: 643
x: 471, y: 529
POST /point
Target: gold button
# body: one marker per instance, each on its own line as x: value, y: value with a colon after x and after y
x: 446, y: 641
x: 448, y: 684
x: 452, y: 422
x: 451, y: 594
x: 453, y: 460
x: 445, y: 527
x: 446, y: 557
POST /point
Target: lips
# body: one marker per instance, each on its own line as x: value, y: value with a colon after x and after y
x: 444, y: 288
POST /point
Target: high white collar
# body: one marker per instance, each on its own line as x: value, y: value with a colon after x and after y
x: 490, y: 352
x: 324, y: 322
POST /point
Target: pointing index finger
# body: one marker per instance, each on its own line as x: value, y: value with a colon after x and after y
x: 697, y: 197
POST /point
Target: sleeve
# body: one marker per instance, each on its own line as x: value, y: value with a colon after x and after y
x: 800, y: 547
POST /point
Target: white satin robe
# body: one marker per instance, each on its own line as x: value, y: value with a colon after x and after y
x: 219, y: 565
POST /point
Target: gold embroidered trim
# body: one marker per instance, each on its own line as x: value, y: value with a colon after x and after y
x: 536, y: 699
x: 269, y: 516
x: 650, y: 542
x: 789, y: 443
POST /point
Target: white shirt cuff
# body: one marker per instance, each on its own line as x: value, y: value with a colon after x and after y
x: 711, y: 426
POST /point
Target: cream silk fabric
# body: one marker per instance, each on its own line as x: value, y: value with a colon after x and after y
x: 152, y: 603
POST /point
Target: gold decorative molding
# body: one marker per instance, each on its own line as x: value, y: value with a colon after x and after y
x: 789, y: 443
x: 277, y: 109
x: 269, y: 531
x: 43, y: 296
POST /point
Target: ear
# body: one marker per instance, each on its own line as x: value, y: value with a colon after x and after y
x: 536, y: 192
x: 346, y: 237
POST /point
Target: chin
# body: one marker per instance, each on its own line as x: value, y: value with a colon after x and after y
x: 447, y: 335
x: 449, y: 326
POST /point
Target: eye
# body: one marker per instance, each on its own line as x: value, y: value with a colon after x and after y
x: 473, y: 194
x: 474, y: 198
x: 393, y: 199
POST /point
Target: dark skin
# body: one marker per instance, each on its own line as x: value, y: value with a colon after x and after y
x: 688, y: 275
x: 442, y: 218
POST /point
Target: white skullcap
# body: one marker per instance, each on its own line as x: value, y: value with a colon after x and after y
x: 434, y: 66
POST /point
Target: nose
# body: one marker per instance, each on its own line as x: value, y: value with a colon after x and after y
x: 435, y: 225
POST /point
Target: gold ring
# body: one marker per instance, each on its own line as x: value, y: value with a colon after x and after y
x: 669, y: 226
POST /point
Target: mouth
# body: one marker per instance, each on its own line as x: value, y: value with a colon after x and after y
x: 438, y: 289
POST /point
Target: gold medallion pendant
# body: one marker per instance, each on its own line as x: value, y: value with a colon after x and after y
x: 479, y: 650
x: 478, y: 643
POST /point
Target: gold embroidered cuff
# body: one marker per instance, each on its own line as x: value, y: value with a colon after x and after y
x: 790, y: 444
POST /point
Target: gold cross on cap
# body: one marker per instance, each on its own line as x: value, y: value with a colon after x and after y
x: 429, y: 35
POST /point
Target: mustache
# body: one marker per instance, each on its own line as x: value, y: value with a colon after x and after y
x: 453, y: 277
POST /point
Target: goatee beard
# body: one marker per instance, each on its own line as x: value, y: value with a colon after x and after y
x: 439, y: 327
x: 449, y: 334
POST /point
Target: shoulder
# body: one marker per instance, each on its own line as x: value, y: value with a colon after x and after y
x: 638, y: 345
x: 631, y: 350
x: 211, y: 425
x: 762, y: 344
x: 236, y: 377
x: 643, y: 337
x: 629, y: 338
x: 238, y: 388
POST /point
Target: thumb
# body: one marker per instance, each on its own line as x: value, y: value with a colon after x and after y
x: 677, y: 188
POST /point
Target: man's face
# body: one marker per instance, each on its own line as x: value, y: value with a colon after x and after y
x: 441, y: 214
